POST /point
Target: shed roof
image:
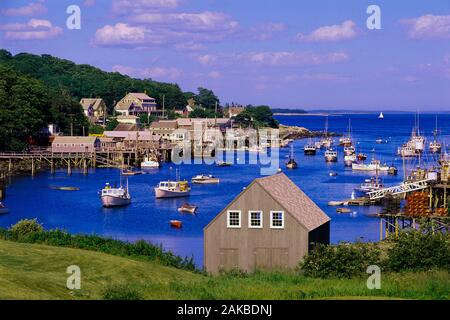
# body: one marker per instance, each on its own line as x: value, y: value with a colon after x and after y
x: 94, y: 102
x: 168, y: 124
x: 295, y: 201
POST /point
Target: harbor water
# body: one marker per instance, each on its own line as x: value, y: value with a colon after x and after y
x: 148, y: 218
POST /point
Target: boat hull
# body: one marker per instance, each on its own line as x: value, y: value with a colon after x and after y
x: 310, y: 152
x: 111, y: 201
x: 160, y: 193
x: 209, y: 181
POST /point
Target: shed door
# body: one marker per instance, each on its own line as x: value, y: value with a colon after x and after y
x: 228, y: 258
x: 270, y: 258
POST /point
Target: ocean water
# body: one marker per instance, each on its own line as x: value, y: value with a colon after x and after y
x: 148, y: 218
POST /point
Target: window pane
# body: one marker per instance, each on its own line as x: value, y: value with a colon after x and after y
x: 234, y: 218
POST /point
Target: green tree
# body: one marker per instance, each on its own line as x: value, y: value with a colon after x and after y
x: 206, y: 98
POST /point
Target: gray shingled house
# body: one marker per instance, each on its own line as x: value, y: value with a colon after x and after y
x: 270, y: 225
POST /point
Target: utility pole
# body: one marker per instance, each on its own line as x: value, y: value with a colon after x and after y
x: 164, y: 105
x: 71, y: 124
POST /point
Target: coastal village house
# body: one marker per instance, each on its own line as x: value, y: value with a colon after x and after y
x: 94, y: 109
x: 137, y: 104
x: 69, y: 144
x: 270, y: 225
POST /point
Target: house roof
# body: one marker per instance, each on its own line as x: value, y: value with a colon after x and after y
x: 141, y: 96
x: 87, y: 102
x: 74, y: 139
x: 295, y: 201
x: 126, y: 127
x: 168, y: 124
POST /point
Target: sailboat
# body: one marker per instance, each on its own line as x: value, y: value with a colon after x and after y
x: 291, y: 164
x: 381, y: 116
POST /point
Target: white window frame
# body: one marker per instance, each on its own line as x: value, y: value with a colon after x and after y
x: 228, y: 219
x: 282, y: 220
x: 250, y: 219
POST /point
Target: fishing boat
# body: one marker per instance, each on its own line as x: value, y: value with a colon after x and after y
x: 150, y: 164
x: 205, y: 179
x: 381, y: 116
x: 347, y: 140
x: 331, y: 155
x: 374, y: 165
x: 291, y: 164
x: 310, y: 149
x: 3, y: 209
x: 176, y: 224
x: 349, y: 160
x: 369, y: 185
x: 224, y: 164
x: 115, y: 197
x: 393, y: 170
x: 187, y: 208
x: 326, y: 142
x: 172, y: 189
x: 349, y: 150
x: 407, y: 151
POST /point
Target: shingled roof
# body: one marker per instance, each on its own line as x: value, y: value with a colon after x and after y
x: 284, y: 191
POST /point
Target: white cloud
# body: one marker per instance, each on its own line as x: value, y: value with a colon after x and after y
x: 34, y: 29
x: 89, y: 3
x: 338, y: 32
x: 207, y: 59
x: 32, y: 9
x: 120, y: 34
x: 289, y: 58
x: 428, y: 26
x: 159, y: 73
x: 123, y: 7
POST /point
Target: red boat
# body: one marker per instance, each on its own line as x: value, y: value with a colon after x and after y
x: 176, y: 224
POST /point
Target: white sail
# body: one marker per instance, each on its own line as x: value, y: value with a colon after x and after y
x: 381, y: 116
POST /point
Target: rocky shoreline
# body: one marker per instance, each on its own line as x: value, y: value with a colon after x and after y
x: 294, y: 132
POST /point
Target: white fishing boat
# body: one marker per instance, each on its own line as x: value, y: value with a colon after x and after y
x: 172, y: 189
x: 381, y: 116
x: 150, y: 163
x: 435, y: 146
x: 349, y: 159
x: 326, y: 142
x: 205, y: 179
x: 369, y: 185
x: 3, y: 209
x: 310, y: 149
x: 115, y: 197
x: 331, y: 155
x: 349, y: 150
x: 374, y: 165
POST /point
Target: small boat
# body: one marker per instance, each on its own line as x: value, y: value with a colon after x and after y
x: 381, y: 116
x: 379, y: 141
x: 362, y: 157
x: 310, y: 149
x: 131, y: 173
x: 349, y: 150
x: 333, y: 174
x: 331, y: 155
x: 349, y: 160
x: 176, y: 224
x: 369, y: 185
x: 335, y: 203
x: 115, y: 197
x: 3, y: 209
x: 187, y: 208
x: 291, y: 164
x: 343, y: 210
x: 224, y: 164
x: 65, y: 188
x: 150, y: 164
x: 435, y: 147
x: 204, y: 179
x: 393, y: 170
x: 172, y: 189
x: 374, y: 165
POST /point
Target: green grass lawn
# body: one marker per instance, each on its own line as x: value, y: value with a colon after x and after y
x: 30, y: 271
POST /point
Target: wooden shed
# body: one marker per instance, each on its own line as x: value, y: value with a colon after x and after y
x: 270, y: 225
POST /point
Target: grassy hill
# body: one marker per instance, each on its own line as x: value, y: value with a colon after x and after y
x: 31, y: 271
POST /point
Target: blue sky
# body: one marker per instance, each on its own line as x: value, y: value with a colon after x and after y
x: 291, y: 53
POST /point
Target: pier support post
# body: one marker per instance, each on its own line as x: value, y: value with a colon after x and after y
x: 85, y: 168
x: 52, y: 167
x: 69, y: 168
x: 10, y: 165
x: 32, y: 167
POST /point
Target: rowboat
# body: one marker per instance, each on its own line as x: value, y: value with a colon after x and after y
x: 131, y: 173
x: 187, y: 208
x: 343, y: 210
x: 65, y: 188
x: 176, y: 224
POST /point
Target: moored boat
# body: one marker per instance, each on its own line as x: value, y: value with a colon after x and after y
x: 172, y: 189
x: 349, y: 160
x: 291, y: 164
x: 369, y: 185
x: 176, y: 224
x: 310, y: 149
x: 374, y: 165
x: 224, y: 164
x: 150, y: 163
x: 362, y: 157
x: 331, y: 155
x: 349, y: 150
x: 115, y: 197
x: 205, y: 179
x: 131, y: 173
x: 187, y: 208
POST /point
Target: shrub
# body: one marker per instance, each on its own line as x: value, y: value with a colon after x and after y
x: 25, y: 228
x: 121, y: 292
x: 340, y: 261
x: 419, y: 250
